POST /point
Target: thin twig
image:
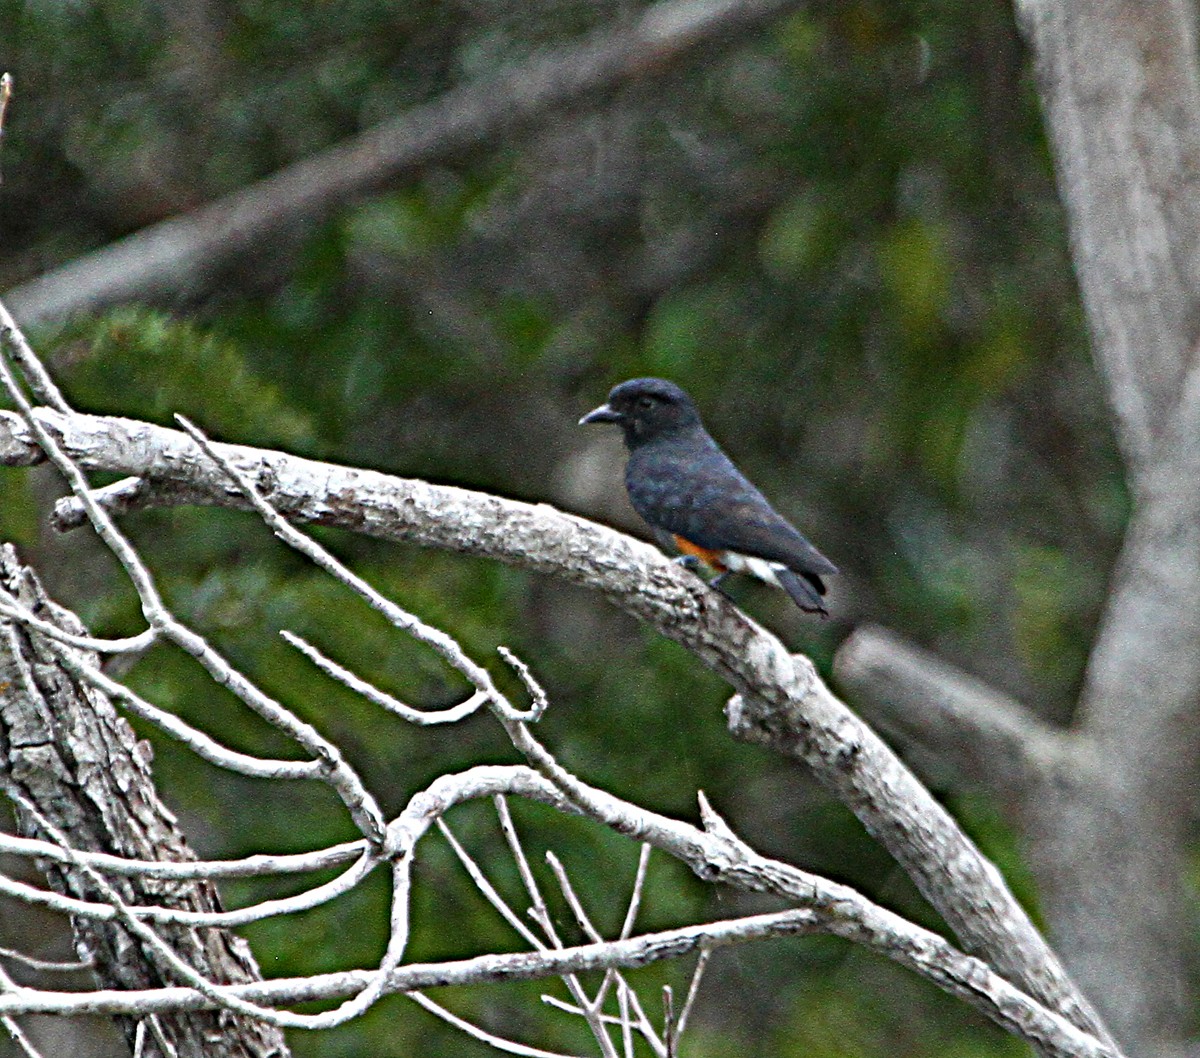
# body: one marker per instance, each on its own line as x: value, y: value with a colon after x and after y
x: 693, y: 990
x: 373, y: 694
x: 626, y: 1023
x: 670, y: 1035
x: 593, y: 934
x: 514, y: 920
x: 168, y: 1048
x: 589, y: 929
x: 639, y: 882
x: 17, y: 1035
x: 498, y: 1042
x: 10, y: 608
x: 644, y: 1025
x: 541, y: 914
x: 253, y: 866
x: 493, y: 897
x: 538, y: 910
x: 572, y: 898
x: 6, y: 94
x: 46, y: 965
x: 155, y: 947
x: 536, y: 692
x: 40, y: 383
x: 169, y: 961
x: 361, y: 806
x: 439, y: 641
x: 203, y: 745
x: 106, y: 912
x: 15, y: 1032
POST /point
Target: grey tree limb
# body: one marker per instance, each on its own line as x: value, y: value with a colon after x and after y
x: 1106, y: 815
x: 1105, y: 807
x: 783, y: 697
x: 186, y: 255
x: 988, y: 738
x: 1119, y: 88
x: 66, y: 750
x: 1062, y: 1040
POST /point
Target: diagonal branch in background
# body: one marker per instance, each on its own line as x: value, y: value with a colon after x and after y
x: 186, y: 254
x: 955, y: 719
x: 781, y: 691
x: 1106, y: 806
x: 65, y: 747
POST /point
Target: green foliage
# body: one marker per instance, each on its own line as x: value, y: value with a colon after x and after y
x: 840, y: 1021
x: 915, y: 271
x: 18, y: 507
x: 982, y: 821
x: 797, y: 238
x: 150, y: 365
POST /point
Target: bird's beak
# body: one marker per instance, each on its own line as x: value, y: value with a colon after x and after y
x: 602, y: 414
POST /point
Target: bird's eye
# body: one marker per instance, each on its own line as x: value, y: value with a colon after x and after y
x: 645, y: 402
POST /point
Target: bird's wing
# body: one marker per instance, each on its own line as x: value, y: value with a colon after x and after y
x: 700, y: 494
x: 747, y: 523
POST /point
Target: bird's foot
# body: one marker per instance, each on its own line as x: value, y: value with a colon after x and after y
x: 689, y: 562
x: 718, y: 585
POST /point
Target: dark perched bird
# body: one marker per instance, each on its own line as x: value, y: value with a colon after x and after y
x: 683, y: 485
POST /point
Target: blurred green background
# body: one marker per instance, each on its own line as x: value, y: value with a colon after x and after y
x: 840, y: 234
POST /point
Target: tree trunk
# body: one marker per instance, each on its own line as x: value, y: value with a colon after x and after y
x: 64, y: 749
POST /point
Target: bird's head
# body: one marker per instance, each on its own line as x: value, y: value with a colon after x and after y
x: 646, y: 408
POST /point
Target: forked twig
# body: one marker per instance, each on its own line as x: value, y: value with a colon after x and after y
x: 541, y: 915
x: 15, y: 1032
x: 625, y: 995
x: 420, y: 717
x: 439, y: 641
x: 493, y: 897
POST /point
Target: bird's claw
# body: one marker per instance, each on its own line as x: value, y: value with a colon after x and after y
x: 718, y: 585
x: 689, y: 562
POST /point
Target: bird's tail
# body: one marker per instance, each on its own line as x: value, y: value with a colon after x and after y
x: 806, y: 591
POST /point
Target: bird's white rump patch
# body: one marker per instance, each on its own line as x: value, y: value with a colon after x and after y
x: 756, y: 567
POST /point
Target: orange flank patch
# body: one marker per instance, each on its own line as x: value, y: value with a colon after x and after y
x: 709, y: 558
